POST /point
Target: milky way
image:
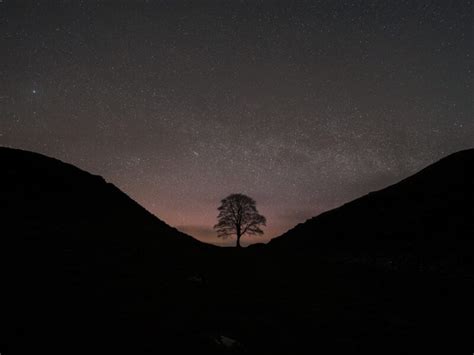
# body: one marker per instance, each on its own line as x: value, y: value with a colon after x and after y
x: 303, y: 105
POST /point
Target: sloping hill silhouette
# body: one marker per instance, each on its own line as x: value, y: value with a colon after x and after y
x: 77, y: 251
x: 398, y: 264
x: 431, y: 211
x: 45, y: 195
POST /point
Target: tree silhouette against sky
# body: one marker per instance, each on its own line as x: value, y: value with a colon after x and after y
x: 238, y: 216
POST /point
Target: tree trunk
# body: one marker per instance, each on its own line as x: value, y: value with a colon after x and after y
x: 238, y: 241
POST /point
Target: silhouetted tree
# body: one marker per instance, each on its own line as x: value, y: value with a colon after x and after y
x: 238, y: 216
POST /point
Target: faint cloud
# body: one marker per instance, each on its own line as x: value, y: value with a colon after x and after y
x: 292, y: 217
x: 201, y: 232
x: 206, y: 234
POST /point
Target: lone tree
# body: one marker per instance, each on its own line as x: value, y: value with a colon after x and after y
x: 238, y: 216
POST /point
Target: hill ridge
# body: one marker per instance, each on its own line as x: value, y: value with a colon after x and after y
x: 462, y: 161
x: 49, y: 169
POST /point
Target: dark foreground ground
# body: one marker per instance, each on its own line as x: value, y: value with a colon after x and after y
x: 239, y: 302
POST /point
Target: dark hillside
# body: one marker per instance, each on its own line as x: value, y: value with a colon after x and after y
x: 429, y: 213
x: 78, y: 255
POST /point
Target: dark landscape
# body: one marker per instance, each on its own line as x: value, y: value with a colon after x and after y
x: 85, y: 269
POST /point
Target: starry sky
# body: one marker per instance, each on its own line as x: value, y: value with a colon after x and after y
x: 302, y: 105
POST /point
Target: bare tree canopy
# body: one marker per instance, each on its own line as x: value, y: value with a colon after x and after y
x: 238, y: 216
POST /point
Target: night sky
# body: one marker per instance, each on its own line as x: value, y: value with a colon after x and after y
x: 302, y: 105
